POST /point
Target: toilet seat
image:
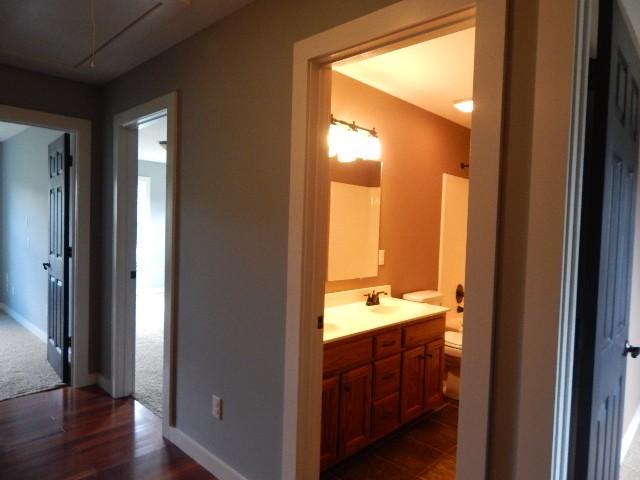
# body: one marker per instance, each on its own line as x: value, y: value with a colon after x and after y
x: 453, y: 343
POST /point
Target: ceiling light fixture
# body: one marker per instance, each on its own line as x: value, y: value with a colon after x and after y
x: 349, y: 142
x: 465, y: 106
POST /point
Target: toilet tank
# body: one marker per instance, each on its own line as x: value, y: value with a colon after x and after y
x: 432, y: 297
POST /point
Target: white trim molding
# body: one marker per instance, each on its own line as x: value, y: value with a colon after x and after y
x: 37, y: 331
x: 400, y: 24
x: 80, y: 129
x: 201, y: 455
x: 629, y: 435
x: 124, y: 221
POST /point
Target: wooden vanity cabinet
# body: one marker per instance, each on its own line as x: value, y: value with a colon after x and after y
x: 330, y: 406
x: 378, y: 380
x: 413, y: 382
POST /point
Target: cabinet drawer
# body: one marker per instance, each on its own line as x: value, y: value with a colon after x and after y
x: 386, y: 377
x: 386, y: 415
x: 387, y: 343
x: 348, y: 353
x: 424, y: 332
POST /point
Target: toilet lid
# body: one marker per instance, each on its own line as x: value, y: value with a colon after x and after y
x: 453, y: 339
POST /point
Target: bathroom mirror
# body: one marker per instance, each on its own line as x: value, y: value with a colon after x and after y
x: 354, y: 220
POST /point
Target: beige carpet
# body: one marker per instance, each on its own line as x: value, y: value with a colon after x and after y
x: 149, y: 350
x: 23, y: 361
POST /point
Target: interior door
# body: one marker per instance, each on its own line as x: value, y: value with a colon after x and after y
x: 58, y: 327
x: 606, y: 246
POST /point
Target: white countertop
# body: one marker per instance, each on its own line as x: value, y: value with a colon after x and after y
x: 342, y: 321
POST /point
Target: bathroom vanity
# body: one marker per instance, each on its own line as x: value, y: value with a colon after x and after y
x: 383, y: 367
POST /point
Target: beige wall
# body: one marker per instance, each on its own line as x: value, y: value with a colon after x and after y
x: 417, y: 148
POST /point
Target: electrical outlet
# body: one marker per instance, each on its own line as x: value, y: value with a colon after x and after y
x: 216, y: 407
x: 380, y: 257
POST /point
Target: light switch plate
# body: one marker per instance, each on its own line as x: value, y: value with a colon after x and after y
x: 380, y: 257
x: 216, y: 407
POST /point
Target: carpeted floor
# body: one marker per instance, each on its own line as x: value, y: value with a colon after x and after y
x: 23, y: 361
x: 149, y: 350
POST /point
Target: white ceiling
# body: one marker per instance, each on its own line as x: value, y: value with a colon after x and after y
x: 432, y: 75
x: 54, y: 36
x: 8, y: 130
x: 149, y: 136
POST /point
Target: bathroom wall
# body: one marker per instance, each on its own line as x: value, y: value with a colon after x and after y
x: 24, y: 224
x: 417, y: 148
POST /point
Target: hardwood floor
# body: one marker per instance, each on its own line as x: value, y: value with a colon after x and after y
x: 85, y: 434
x: 424, y: 450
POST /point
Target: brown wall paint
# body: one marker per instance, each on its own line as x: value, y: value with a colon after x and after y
x: 417, y: 148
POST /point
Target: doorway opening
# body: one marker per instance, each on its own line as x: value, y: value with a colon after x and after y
x: 150, y: 254
x: 401, y: 25
x: 143, y: 350
x: 35, y: 231
x: 399, y: 145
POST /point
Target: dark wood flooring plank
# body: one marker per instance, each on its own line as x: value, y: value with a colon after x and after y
x: 77, y: 434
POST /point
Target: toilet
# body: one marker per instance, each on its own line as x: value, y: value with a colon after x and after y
x: 452, y: 341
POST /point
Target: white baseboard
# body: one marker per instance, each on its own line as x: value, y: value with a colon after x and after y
x: 42, y: 335
x: 105, y: 384
x: 208, y: 460
x: 629, y: 435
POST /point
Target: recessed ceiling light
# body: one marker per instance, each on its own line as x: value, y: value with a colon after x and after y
x: 465, y: 106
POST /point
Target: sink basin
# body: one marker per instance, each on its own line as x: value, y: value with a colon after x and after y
x: 382, y: 309
x: 330, y: 327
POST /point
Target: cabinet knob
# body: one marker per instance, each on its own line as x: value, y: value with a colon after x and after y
x: 347, y: 387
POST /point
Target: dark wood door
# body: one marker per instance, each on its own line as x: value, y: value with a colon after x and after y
x: 434, y: 375
x: 412, y: 390
x: 606, y: 248
x: 355, y: 410
x: 58, y: 328
x: 330, y: 410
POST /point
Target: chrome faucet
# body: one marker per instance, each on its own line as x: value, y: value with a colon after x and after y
x: 373, y: 298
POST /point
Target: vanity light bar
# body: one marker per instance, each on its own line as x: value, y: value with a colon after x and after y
x: 354, y: 126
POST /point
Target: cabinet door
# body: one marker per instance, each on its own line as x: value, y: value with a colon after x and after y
x: 330, y: 406
x: 412, y: 393
x: 355, y: 410
x: 434, y: 374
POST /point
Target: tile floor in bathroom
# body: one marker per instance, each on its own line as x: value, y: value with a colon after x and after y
x: 423, y: 450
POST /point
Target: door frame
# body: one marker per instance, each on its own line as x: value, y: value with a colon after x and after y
x: 122, y: 317
x: 308, y: 211
x: 81, y: 237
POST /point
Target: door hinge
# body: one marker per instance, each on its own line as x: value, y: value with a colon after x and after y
x: 320, y: 322
x: 69, y: 343
x: 69, y: 161
x: 69, y: 252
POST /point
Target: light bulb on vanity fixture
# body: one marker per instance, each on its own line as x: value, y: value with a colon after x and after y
x: 465, y: 106
x: 349, y: 142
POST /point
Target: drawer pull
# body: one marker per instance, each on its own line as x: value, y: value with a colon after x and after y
x: 388, y: 343
x: 347, y: 387
x: 386, y: 416
x: 388, y: 376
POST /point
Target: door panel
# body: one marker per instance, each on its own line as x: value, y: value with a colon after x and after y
x: 606, y: 248
x: 412, y: 390
x: 355, y: 410
x: 58, y: 328
x: 330, y: 406
x: 434, y: 375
